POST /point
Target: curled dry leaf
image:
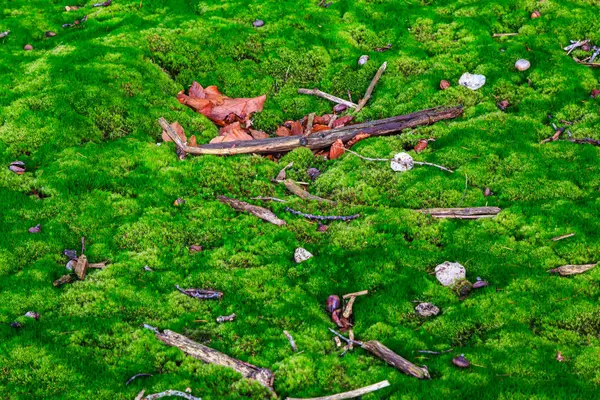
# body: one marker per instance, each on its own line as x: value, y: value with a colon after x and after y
x: 342, y: 121
x: 192, y: 142
x: 337, y: 149
x: 421, y: 145
x: 258, y: 134
x: 179, y: 202
x: 180, y: 132
x: 231, y: 133
x: 283, y: 131
x: 320, y: 128
x: 216, y: 106
x: 356, y: 139
x: 296, y: 128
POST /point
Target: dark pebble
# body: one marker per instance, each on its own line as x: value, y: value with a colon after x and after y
x: 72, y: 254
x: 333, y: 303
x: 487, y: 192
x: 480, y: 284
x: 35, y: 229
x: 313, y: 173
x: 461, y: 362
x: 16, y: 325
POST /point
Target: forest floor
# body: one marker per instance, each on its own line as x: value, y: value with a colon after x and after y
x: 80, y: 111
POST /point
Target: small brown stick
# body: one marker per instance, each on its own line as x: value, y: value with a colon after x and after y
x: 351, y: 394
x: 201, y: 294
x: 568, y: 235
x: 318, y: 93
x: 361, y: 293
x: 348, y: 310
x: 226, y: 318
x: 434, y: 352
x: 309, y: 124
x: 351, y: 337
x: 332, y: 120
x: 170, y: 392
x: 349, y: 96
x: 591, y: 141
x: 63, y: 280
x: 369, y: 91
x: 504, y: 34
x: 257, y: 211
x: 291, y: 340
x: 379, y: 350
x: 275, y: 199
x: 212, y: 356
x: 567, y: 270
x: 135, y: 377
x: 323, y: 217
x: 461, y: 213
x: 101, y: 265
x: 282, y: 174
x: 303, y: 194
x: 587, y: 64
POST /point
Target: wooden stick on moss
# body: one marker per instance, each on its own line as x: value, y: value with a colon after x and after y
x: 567, y: 270
x: 327, y: 96
x: 212, y: 356
x: 257, y: 211
x: 379, y: 350
x: 351, y: 394
x: 381, y: 127
x: 369, y: 91
x: 461, y: 213
x: 169, y: 393
x: 303, y: 194
x: 504, y: 34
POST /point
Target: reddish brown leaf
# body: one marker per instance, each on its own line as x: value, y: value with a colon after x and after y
x: 232, y: 132
x: 342, y: 121
x: 337, y: 149
x: 192, y: 141
x: 258, y: 134
x: 195, y: 248
x: 421, y: 145
x: 322, y: 119
x: 319, y: 128
x: 283, y: 131
x: 179, y: 129
x: 297, y: 128
x: 356, y: 139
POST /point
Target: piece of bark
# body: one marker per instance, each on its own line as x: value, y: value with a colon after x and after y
x: 257, y: 211
x: 369, y: 91
x: 327, y: 96
x: 226, y: 318
x: 171, y: 393
x: 201, y: 294
x: 81, y: 267
x: 348, y: 309
x: 303, y: 194
x: 63, y: 280
x: 461, y: 213
x: 325, y: 139
x: 291, y: 340
x: 355, y: 294
x: 211, y: 356
x: 567, y: 270
x: 351, y: 394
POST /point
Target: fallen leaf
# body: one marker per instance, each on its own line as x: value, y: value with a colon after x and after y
x: 421, y: 145
x: 296, y: 128
x: 258, y: 134
x: 179, y: 202
x: 342, y: 121
x: 356, y: 139
x: 337, y: 149
x: 192, y: 142
x: 180, y: 132
x: 195, y: 248
x: 232, y: 132
x: 322, y: 119
x: 320, y: 128
x: 283, y: 131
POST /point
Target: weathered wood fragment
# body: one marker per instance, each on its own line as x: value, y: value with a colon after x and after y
x: 567, y: 270
x: 303, y: 194
x: 461, y: 213
x: 351, y: 394
x: 257, y: 211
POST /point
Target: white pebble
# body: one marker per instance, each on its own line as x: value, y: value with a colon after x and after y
x: 448, y: 273
x: 472, y: 81
x: 522, y: 65
x: 402, y: 162
x: 363, y: 60
x: 301, y: 255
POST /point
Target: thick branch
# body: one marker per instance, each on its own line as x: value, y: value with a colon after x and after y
x: 323, y: 139
x: 327, y: 96
x: 351, y: 394
x: 212, y: 356
x: 461, y: 213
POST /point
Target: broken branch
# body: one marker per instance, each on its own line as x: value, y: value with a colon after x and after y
x: 212, y: 356
x: 135, y: 377
x: 461, y: 213
x: 201, y: 294
x: 327, y: 96
x: 257, y: 211
x: 303, y: 194
x: 351, y: 394
x: 369, y: 91
x: 323, y: 217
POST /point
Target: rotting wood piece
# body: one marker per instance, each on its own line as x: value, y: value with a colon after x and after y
x: 379, y: 350
x: 323, y: 139
x: 260, y: 212
x: 81, y: 267
x: 303, y: 194
x: 351, y: 394
x: 567, y: 270
x: 211, y: 356
x: 461, y: 213
x: 64, y: 280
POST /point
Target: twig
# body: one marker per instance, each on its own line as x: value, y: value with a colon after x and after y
x: 351, y: 394
x: 318, y: 93
x: 282, y: 174
x: 369, y: 91
x: 591, y: 141
x: 226, y: 318
x: 434, y: 165
x: 461, y: 213
x: 303, y: 194
x: 135, y: 377
x: 355, y: 294
x: 434, y: 352
x: 200, y: 293
x: 568, y: 235
x: 504, y: 34
x: 291, y: 340
x: 323, y: 217
x: 275, y: 199
x: 567, y: 270
x: 348, y: 309
x: 390, y: 159
x: 309, y: 124
x: 257, y: 211
x: 171, y: 393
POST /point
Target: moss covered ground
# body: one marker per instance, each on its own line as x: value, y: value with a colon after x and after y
x: 81, y: 108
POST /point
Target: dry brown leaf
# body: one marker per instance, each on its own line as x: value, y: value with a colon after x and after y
x: 356, y: 139
x: 421, y: 145
x: 283, y: 131
x: 296, y: 128
x: 180, y: 132
x: 337, y: 149
x: 192, y: 141
x: 232, y: 132
x: 323, y: 119
x: 342, y: 121
x: 258, y: 134
x: 319, y: 128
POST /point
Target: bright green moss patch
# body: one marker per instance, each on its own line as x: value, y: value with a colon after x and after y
x: 81, y: 108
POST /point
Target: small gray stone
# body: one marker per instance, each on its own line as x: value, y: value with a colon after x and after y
x: 427, y: 310
x: 32, y: 314
x: 448, y: 273
x: 522, y: 65
x: 258, y: 23
x: 301, y: 255
x: 402, y: 162
x: 472, y: 81
x: 363, y: 60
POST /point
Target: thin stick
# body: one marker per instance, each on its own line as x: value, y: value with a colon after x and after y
x: 361, y: 293
x: 369, y: 91
x: 504, y: 34
x: 291, y: 340
x: 434, y: 352
x: 318, y: 93
x: 345, y: 339
x: 309, y: 124
x: 461, y: 213
x: 348, y: 310
x: 323, y: 217
x: 568, y: 235
x: 136, y: 376
x: 169, y: 392
x: 434, y: 165
x: 390, y: 159
x: 303, y: 194
x: 351, y: 394
x: 260, y: 212
x: 275, y: 199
